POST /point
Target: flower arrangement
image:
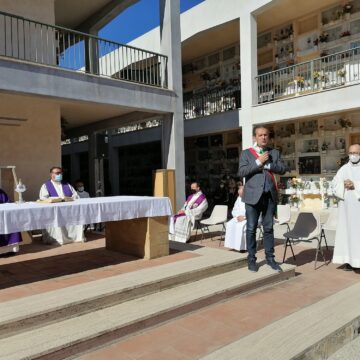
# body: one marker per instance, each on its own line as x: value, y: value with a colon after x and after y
x: 294, y: 199
x: 341, y: 73
x: 324, y: 146
x: 344, y: 123
x: 342, y: 161
x: 345, y: 33
x: 324, y: 37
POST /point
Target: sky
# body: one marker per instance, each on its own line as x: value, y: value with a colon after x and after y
x: 137, y: 20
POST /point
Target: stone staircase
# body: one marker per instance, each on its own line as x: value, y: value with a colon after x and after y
x: 68, y: 322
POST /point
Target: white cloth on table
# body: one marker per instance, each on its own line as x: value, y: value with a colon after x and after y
x: 184, y: 224
x: 235, y: 236
x: 347, y: 244
x: 64, y: 234
x: 32, y: 216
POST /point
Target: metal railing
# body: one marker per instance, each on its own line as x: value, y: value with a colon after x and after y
x: 330, y: 71
x: 45, y: 44
x: 212, y: 101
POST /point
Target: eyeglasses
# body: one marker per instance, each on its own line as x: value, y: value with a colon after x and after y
x: 354, y: 153
x: 57, y: 173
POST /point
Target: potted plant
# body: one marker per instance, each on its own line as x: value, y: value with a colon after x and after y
x: 324, y: 147
x: 294, y: 200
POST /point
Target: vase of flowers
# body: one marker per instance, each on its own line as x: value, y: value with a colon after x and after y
x: 295, y: 201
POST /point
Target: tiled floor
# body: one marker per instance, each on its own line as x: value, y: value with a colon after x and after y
x: 40, y: 268
x: 202, y: 332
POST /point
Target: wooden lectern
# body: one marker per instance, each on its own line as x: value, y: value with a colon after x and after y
x: 164, y: 185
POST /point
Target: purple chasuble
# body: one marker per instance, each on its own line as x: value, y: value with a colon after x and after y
x: 198, y: 201
x: 52, y: 192
x: 8, y: 239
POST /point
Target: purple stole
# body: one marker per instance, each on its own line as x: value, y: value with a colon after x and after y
x: 52, y: 192
x: 8, y: 239
x: 198, y: 201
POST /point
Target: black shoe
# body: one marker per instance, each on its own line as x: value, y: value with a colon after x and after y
x: 348, y: 267
x: 274, y: 265
x: 252, y: 266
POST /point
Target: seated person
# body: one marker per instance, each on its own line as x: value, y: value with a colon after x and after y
x: 183, y: 222
x: 55, y: 187
x: 80, y: 189
x: 235, y: 237
x: 8, y: 242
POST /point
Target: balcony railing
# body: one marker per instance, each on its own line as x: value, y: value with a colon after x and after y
x: 212, y: 101
x: 327, y: 72
x: 45, y: 44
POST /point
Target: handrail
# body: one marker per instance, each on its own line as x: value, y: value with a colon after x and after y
x: 53, y: 45
x: 338, y: 69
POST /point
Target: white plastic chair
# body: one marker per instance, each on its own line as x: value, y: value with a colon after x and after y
x: 283, y: 215
x: 217, y: 217
x: 307, y: 227
x: 330, y: 225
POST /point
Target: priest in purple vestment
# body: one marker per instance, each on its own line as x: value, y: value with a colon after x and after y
x: 56, y: 187
x: 8, y: 242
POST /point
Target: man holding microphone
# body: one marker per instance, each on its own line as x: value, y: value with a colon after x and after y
x: 258, y: 165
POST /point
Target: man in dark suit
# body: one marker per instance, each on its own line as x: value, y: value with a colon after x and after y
x: 258, y: 165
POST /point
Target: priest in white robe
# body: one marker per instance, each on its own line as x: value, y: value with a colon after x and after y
x: 235, y: 236
x: 346, y: 186
x: 56, y: 187
x: 183, y: 222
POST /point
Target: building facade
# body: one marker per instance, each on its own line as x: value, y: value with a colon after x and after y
x: 59, y: 79
x: 291, y: 65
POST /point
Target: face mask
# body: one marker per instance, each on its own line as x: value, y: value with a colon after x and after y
x: 58, y: 177
x: 80, y: 189
x: 354, y: 158
x: 193, y: 191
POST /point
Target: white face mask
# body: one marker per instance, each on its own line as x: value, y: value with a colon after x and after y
x: 354, y: 158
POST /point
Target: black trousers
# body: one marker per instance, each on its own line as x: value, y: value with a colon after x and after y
x: 265, y: 207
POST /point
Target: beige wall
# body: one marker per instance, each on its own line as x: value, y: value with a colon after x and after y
x: 40, y: 10
x: 34, y: 146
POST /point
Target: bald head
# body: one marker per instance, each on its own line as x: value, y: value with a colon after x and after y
x: 355, y: 148
x: 354, y: 153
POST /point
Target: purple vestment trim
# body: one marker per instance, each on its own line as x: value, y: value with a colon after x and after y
x: 52, y: 192
x: 8, y: 239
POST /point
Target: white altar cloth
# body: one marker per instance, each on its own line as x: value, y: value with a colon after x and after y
x: 32, y: 216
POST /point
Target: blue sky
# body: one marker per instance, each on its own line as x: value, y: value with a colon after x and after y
x: 138, y: 19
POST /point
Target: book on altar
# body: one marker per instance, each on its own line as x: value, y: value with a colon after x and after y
x: 51, y: 200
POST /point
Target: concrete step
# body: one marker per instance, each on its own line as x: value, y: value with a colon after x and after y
x: 312, y: 333
x: 80, y: 334
x: 46, y: 308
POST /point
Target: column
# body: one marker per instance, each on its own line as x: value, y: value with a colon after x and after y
x: 114, y: 167
x: 248, y: 61
x: 92, y: 159
x: 91, y: 53
x: 173, y: 124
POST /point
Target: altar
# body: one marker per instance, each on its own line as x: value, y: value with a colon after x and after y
x: 134, y: 225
